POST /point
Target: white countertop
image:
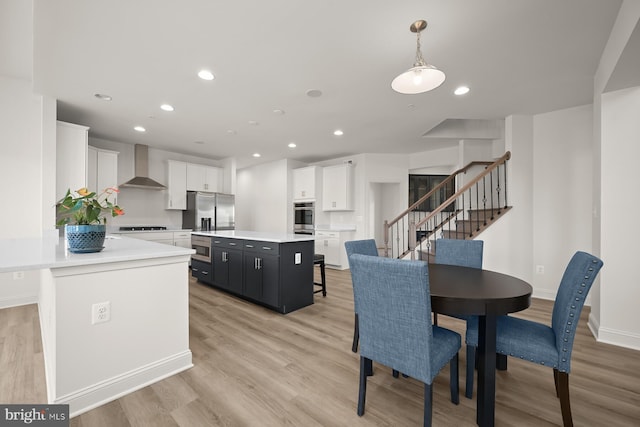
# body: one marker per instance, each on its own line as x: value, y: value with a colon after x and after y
x: 168, y: 230
x: 39, y: 253
x: 257, y: 235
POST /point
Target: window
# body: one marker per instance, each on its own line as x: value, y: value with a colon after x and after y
x: 419, y: 185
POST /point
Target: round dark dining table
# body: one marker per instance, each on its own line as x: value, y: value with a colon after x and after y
x: 487, y: 294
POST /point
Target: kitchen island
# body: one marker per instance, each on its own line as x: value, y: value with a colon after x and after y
x: 271, y: 269
x: 111, y: 322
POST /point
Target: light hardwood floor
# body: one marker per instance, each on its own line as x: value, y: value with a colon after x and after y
x: 254, y: 367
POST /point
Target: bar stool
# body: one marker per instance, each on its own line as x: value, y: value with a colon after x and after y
x: 318, y: 259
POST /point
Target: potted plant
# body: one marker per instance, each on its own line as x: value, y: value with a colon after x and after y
x: 83, y: 213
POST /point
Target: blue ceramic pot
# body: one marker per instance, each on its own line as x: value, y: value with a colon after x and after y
x: 85, y: 238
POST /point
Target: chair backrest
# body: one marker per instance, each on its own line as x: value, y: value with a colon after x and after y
x: 463, y: 253
x: 362, y: 247
x: 394, y: 313
x: 574, y: 287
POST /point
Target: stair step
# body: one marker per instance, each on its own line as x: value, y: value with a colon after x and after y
x: 481, y: 214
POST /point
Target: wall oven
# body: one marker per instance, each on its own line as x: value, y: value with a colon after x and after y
x: 303, y: 214
x: 202, y: 246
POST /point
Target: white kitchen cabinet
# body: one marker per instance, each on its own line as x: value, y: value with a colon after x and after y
x: 331, y: 245
x: 71, y: 157
x: 203, y: 178
x: 182, y: 239
x: 337, y: 188
x: 176, y: 185
x: 305, y: 183
x: 102, y: 171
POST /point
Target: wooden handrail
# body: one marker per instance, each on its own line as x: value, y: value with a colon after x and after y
x: 412, y: 226
x: 451, y: 177
x: 467, y: 186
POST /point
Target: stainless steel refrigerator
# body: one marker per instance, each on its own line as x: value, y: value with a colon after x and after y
x: 209, y: 211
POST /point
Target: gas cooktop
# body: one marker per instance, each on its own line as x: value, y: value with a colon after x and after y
x: 143, y: 228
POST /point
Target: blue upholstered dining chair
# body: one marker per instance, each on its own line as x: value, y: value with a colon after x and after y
x: 548, y: 345
x: 463, y: 253
x: 362, y: 247
x: 394, y: 314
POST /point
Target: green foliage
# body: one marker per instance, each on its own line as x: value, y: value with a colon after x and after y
x: 84, y: 207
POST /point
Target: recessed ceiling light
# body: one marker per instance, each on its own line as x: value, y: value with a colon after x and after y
x: 140, y: 129
x: 166, y: 107
x: 256, y: 154
x: 205, y: 75
x: 231, y: 132
x: 314, y: 93
x: 103, y: 97
x: 253, y: 123
x: 461, y: 90
x: 278, y: 112
x: 338, y: 132
x: 292, y: 145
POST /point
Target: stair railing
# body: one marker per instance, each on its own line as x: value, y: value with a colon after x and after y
x: 473, y: 205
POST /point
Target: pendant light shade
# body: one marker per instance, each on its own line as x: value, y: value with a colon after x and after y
x: 422, y: 77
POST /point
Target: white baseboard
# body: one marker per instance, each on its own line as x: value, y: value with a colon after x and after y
x: 616, y: 337
x: 544, y: 294
x: 17, y: 300
x: 106, y: 391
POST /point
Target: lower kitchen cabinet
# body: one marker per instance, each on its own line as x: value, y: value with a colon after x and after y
x: 227, y: 268
x: 203, y: 271
x: 278, y: 275
x: 262, y: 278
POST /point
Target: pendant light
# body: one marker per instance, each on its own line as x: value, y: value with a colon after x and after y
x: 422, y: 77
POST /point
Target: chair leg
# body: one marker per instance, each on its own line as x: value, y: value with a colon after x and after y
x: 555, y: 381
x: 356, y: 335
x: 454, y: 379
x: 563, y: 392
x: 323, y: 280
x: 471, y: 364
x: 435, y: 319
x: 428, y: 404
x: 395, y: 373
x: 362, y: 393
x: 369, y: 366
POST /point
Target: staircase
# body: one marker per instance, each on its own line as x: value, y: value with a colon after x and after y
x: 479, y: 201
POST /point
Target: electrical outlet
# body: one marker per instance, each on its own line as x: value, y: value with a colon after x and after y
x: 298, y: 258
x: 100, y: 312
x: 18, y: 275
x: 539, y: 269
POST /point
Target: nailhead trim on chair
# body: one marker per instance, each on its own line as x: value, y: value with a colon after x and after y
x: 570, y: 326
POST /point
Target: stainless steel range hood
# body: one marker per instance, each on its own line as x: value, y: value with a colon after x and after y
x: 141, y: 171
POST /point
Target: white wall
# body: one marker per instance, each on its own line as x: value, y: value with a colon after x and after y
x: 263, y: 200
x: 562, y: 199
x: 27, y: 136
x: 614, y: 317
x: 619, y: 290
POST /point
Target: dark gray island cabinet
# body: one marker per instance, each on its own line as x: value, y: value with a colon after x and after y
x: 274, y: 270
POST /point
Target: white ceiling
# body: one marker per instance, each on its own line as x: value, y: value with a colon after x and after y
x: 517, y: 56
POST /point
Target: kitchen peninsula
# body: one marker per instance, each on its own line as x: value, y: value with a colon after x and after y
x: 112, y: 321
x: 271, y: 269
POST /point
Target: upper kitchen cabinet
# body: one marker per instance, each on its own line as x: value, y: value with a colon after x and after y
x: 337, y: 188
x: 71, y: 157
x: 176, y: 185
x: 305, y: 183
x: 203, y: 178
x: 102, y: 170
